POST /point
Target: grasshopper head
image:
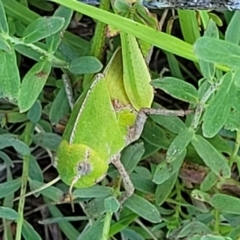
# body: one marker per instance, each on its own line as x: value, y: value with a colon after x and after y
x: 80, y: 166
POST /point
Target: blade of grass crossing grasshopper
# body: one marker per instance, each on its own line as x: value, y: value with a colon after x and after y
x: 98, y: 41
x: 142, y: 15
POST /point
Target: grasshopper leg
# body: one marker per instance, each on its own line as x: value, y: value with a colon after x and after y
x: 136, y: 130
x: 165, y: 112
x: 128, y: 185
x: 133, y: 135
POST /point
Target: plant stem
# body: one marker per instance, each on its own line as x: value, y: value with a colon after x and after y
x: 106, y: 226
x: 52, y: 58
x: 236, y: 149
x: 27, y: 133
x: 200, y: 106
x: 22, y: 198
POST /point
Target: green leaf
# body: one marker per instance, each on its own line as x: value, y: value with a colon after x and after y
x: 121, y: 6
x: 219, y: 106
x: 235, y: 233
x: 142, y: 180
x: 237, y: 78
x: 36, y: 55
x: 132, y: 155
x: 51, y: 192
x: 164, y: 189
x: 212, y: 30
x: 20, y: 27
x: 42, y: 5
x: 28, y: 232
x: 47, y: 140
x: 208, y: 182
x: 212, y: 237
x: 143, y: 208
x: 16, y: 117
x: 189, y: 25
x: 207, y: 68
x: 232, y: 122
x: 94, y: 231
x: 93, y: 192
x: 177, y: 88
x: 122, y: 224
x: 32, y: 84
x: 111, y: 204
x: 8, y: 213
x: 95, y: 208
x: 9, y: 187
x: 35, y: 112
x: 35, y: 172
x: 3, y: 20
x: 142, y: 183
x: 10, y: 79
x: 85, y: 65
x: 4, y: 45
x: 132, y: 234
x: 69, y: 231
x: 28, y: 51
x: 197, y: 237
x: 155, y: 139
x: 54, y: 41
x: 68, y: 52
x: 211, y: 157
x: 179, y: 144
x: 11, y: 26
x: 174, y: 65
x: 232, y: 33
x: 60, y: 107
x: 172, y: 123
x: 7, y: 160
x: 200, y: 195
x: 41, y: 28
x: 193, y: 228
x: 226, y: 203
x: 7, y: 140
x: 220, y: 143
x: 218, y: 51
x: 166, y: 169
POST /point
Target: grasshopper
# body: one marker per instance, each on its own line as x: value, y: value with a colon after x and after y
x: 102, y: 124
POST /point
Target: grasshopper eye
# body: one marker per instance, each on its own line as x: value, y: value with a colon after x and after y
x: 83, y: 168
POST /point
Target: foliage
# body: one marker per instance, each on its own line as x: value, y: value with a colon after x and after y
x: 185, y: 171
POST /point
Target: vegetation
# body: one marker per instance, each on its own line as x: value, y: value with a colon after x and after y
x: 185, y: 170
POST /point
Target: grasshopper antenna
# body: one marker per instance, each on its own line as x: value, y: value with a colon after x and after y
x: 75, y: 179
x: 39, y: 189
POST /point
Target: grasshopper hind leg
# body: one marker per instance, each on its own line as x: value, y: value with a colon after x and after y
x: 135, y: 131
x: 134, y: 134
x: 128, y: 185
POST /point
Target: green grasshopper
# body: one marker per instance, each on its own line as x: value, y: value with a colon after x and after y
x: 101, y: 125
x: 112, y: 114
